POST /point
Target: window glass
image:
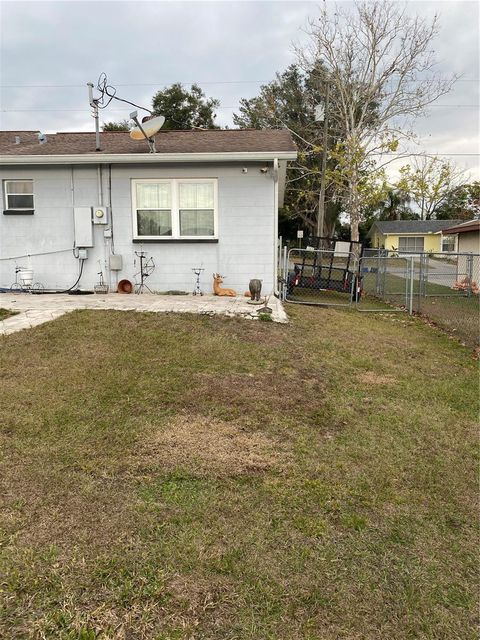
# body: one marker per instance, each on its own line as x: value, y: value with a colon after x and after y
x: 196, y: 195
x: 153, y: 195
x: 154, y: 222
x: 448, y: 243
x: 175, y: 208
x: 20, y: 202
x: 19, y: 186
x: 196, y: 222
x: 412, y: 244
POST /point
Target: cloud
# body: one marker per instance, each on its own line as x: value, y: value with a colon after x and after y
x: 228, y: 47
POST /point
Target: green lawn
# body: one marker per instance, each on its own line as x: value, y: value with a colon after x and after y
x: 186, y: 477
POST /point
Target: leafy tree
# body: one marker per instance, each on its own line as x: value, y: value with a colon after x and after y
x: 123, y: 125
x: 463, y: 203
x: 289, y: 102
x: 371, y: 54
x: 395, y: 206
x: 430, y: 182
x: 185, y: 109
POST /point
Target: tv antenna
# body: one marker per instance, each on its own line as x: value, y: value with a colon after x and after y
x: 107, y: 93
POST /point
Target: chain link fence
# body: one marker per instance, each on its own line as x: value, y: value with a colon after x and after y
x: 447, y: 292
x: 443, y: 287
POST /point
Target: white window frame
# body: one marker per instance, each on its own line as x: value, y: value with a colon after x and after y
x: 450, y: 236
x: 174, y: 182
x: 6, y: 195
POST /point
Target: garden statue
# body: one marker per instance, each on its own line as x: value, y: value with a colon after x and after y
x: 218, y: 290
x: 255, y: 288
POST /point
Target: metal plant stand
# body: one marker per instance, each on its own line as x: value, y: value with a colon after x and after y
x: 147, y: 267
x: 198, y: 272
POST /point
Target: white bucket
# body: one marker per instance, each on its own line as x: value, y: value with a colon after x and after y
x: 26, y: 277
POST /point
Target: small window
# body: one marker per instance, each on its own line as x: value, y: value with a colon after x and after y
x: 18, y: 196
x: 448, y: 244
x: 411, y: 244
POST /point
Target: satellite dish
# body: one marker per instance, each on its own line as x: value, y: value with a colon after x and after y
x: 150, y: 127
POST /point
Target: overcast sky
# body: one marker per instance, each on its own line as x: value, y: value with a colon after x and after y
x: 229, y: 48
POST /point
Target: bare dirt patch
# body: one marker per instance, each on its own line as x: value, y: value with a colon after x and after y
x: 210, y: 446
x: 370, y: 377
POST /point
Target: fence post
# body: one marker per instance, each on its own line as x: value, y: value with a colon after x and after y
x: 412, y: 270
x: 469, y: 275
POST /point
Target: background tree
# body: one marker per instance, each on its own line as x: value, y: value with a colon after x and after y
x: 430, y: 182
x: 123, y: 125
x: 182, y: 109
x: 373, y: 53
x: 462, y: 203
x: 185, y: 109
x: 289, y: 102
x: 395, y: 206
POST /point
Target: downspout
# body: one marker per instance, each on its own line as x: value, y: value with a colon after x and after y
x: 106, y: 248
x: 275, y: 227
x: 100, y: 185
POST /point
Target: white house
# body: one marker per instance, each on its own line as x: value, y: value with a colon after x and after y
x: 205, y: 199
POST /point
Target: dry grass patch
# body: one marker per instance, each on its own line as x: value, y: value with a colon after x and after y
x: 370, y: 377
x: 208, y: 446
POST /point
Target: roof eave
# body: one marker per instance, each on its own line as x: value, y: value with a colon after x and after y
x: 147, y: 158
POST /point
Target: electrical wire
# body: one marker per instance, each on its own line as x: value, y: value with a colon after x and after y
x: 108, y: 93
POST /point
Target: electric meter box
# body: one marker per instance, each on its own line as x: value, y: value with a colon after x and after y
x: 116, y: 262
x: 100, y: 215
x: 82, y: 220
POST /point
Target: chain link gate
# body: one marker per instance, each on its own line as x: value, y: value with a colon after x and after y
x: 319, y: 276
x: 385, y: 283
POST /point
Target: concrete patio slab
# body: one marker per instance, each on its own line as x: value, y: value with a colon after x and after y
x: 37, y: 309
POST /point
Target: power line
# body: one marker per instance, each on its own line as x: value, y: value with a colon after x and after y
x: 161, y: 84
x: 88, y: 110
x: 132, y: 84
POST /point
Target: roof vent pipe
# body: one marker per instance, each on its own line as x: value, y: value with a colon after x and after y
x: 42, y: 138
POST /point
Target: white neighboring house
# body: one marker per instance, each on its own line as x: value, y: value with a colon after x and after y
x: 205, y: 199
x: 468, y: 242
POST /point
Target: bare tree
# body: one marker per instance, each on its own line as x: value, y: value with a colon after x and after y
x: 373, y: 54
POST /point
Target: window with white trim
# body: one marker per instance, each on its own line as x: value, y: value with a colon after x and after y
x: 411, y: 244
x: 182, y: 209
x: 448, y: 244
x: 18, y: 195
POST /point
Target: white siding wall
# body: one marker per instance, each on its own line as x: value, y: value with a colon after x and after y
x: 245, y: 228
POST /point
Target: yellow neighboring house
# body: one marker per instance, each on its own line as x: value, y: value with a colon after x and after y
x: 414, y: 236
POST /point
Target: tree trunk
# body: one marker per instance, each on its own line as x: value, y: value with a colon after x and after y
x: 354, y: 208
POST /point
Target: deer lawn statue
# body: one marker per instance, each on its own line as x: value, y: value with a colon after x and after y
x: 218, y: 290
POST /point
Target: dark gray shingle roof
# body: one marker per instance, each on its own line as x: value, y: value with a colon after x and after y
x: 412, y: 226
x: 193, y: 141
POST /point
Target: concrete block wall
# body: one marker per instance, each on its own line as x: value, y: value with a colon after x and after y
x: 246, y: 228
